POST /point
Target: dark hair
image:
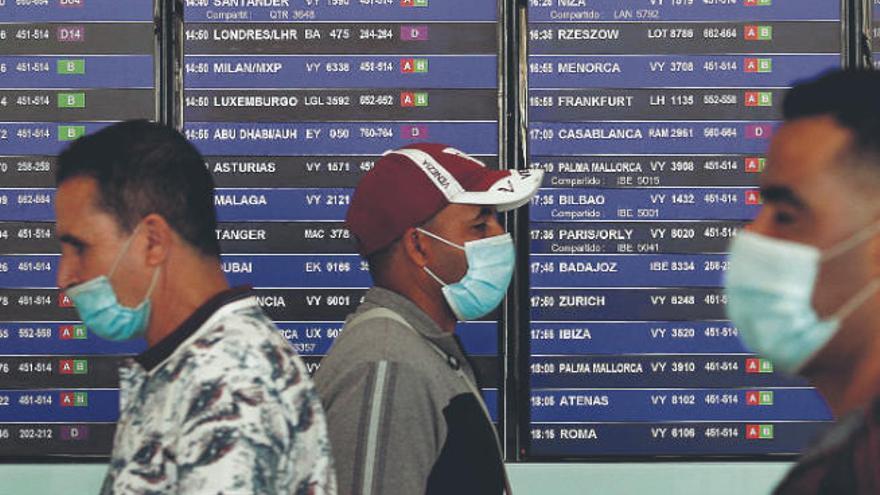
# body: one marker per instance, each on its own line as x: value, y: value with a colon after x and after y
x: 379, y: 261
x: 142, y: 168
x: 851, y: 97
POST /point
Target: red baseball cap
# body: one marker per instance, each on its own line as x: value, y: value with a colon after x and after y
x: 410, y: 185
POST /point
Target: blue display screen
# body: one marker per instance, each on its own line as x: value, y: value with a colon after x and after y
x: 652, y: 121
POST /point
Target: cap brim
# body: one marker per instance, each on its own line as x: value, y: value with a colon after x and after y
x: 511, y: 191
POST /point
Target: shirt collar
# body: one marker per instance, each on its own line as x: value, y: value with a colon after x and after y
x: 155, y: 355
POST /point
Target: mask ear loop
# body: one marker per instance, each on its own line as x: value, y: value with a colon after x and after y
x: 855, y: 240
x: 434, y: 276
x: 153, y: 283
x: 857, y: 301
x: 862, y: 296
x: 125, y: 246
x: 435, y: 236
x: 121, y: 254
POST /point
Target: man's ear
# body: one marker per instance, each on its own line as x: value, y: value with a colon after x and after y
x: 415, y: 247
x: 160, y: 237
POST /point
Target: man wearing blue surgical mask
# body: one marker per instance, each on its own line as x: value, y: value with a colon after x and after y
x: 219, y: 402
x: 406, y: 415
x: 804, y: 281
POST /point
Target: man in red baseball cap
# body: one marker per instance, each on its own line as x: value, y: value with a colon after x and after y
x: 405, y: 414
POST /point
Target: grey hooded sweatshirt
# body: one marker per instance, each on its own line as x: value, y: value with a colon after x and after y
x: 402, y: 415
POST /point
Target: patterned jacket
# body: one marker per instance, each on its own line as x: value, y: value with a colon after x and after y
x: 221, y: 406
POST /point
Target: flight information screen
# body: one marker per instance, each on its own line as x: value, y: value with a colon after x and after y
x: 875, y: 31
x: 292, y: 102
x: 67, y: 68
x: 652, y: 119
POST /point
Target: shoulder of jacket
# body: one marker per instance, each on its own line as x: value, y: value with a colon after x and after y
x: 380, y: 339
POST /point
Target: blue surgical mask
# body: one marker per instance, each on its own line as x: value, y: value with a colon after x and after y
x: 769, y: 286
x: 490, y: 268
x: 100, y: 310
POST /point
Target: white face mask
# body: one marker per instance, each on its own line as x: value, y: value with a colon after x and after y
x: 770, y: 287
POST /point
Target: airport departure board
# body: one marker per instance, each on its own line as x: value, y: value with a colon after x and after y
x: 292, y: 102
x: 874, y: 35
x: 651, y: 119
x: 67, y: 68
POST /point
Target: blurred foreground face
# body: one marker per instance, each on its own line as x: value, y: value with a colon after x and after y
x: 821, y: 206
x: 812, y: 198
x: 803, y: 283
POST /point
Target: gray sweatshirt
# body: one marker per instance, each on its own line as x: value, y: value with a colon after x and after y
x: 402, y: 417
